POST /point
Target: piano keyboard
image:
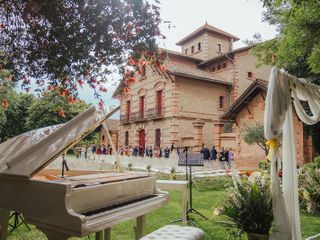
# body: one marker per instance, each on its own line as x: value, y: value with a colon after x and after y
x: 118, y: 205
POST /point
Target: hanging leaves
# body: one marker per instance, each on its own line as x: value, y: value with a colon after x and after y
x: 5, y: 103
x: 61, y: 113
x: 81, y: 44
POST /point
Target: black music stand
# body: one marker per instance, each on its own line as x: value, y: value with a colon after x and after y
x: 18, y: 220
x: 64, y: 165
x: 190, y: 160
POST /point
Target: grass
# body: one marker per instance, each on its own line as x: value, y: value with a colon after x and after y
x: 207, y: 195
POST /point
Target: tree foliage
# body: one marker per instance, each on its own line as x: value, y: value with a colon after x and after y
x: 297, y: 46
x: 68, y: 42
x: 254, y: 134
x: 52, y: 109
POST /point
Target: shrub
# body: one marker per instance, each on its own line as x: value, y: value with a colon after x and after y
x: 249, y: 204
x: 148, y: 168
x: 264, y: 165
x: 130, y: 167
x: 309, y: 189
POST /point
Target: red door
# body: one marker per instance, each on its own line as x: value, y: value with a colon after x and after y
x: 142, y: 140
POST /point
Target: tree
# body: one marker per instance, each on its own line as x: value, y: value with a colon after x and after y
x: 16, y: 115
x: 254, y: 134
x: 69, y: 42
x: 297, y: 46
x: 51, y: 109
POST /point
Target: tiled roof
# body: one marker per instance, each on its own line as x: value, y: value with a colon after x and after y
x: 113, y: 125
x: 206, y: 27
x: 187, y: 71
x: 223, y: 55
x: 181, y: 55
x: 257, y: 86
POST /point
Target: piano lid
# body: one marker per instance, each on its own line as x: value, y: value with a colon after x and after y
x: 28, y: 153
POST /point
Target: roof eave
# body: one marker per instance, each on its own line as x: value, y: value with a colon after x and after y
x: 200, y: 78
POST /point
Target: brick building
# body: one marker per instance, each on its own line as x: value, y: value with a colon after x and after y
x: 248, y: 110
x: 113, y: 128
x: 184, y: 104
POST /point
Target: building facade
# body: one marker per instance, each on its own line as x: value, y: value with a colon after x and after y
x: 184, y: 104
x: 113, y: 128
x: 248, y: 110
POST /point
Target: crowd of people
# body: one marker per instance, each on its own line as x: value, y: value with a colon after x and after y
x: 100, y: 149
x: 151, y: 151
x: 225, y: 156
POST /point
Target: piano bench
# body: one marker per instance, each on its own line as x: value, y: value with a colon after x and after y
x: 175, y: 232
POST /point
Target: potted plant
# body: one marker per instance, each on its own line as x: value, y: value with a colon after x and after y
x: 130, y: 166
x: 249, y: 205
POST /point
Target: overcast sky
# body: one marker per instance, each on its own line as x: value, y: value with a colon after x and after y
x: 242, y: 18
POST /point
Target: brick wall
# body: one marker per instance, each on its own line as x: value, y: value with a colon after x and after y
x: 248, y: 156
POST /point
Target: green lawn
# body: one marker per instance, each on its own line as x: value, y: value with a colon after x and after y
x: 209, y: 195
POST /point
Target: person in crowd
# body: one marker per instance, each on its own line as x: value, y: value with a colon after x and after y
x: 231, y: 157
x: 226, y: 156
x: 222, y: 158
x: 99, y: 150
x: 178, y: 150
x: 104, y: 150
x: 150, y: 152
x: 205, y: 152
x: 86, y: 147
x: 160, y: 152
x: 213, y: 153
x: 135, y: 150
x: 166, y: 152
x: 110, y: 149
x: 147, y: 152
x: 172, y: 147
x: 93, y: 149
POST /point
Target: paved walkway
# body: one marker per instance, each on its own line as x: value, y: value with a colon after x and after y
x: 163, y: 165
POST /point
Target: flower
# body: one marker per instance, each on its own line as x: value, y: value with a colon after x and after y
x: 126, y: 90
x: 70, y: 99
x: 51, y: 88
x: 64, y: 92
x: 80, y: 82
x: 163, y: 68
x: 131, y: 62
x: 61, y: 113
x: 5, y: 103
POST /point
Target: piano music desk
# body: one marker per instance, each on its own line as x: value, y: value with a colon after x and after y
x: 177, y: 186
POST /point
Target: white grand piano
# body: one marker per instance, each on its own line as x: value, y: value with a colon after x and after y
x: 81, y: 203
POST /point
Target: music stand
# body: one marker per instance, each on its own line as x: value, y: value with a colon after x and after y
x: 18, y: 220
x: 190, y: 160
x: 64, y: 165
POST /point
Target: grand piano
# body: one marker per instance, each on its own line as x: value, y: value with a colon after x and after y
x: 80, y: 203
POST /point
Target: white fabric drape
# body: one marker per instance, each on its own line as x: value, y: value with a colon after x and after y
x: 278, y: 118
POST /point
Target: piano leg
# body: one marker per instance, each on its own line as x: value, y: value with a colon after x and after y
x: 103, y: 235
x: 107, y: 234
x: 141, y: 220
x: 4, y: 221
